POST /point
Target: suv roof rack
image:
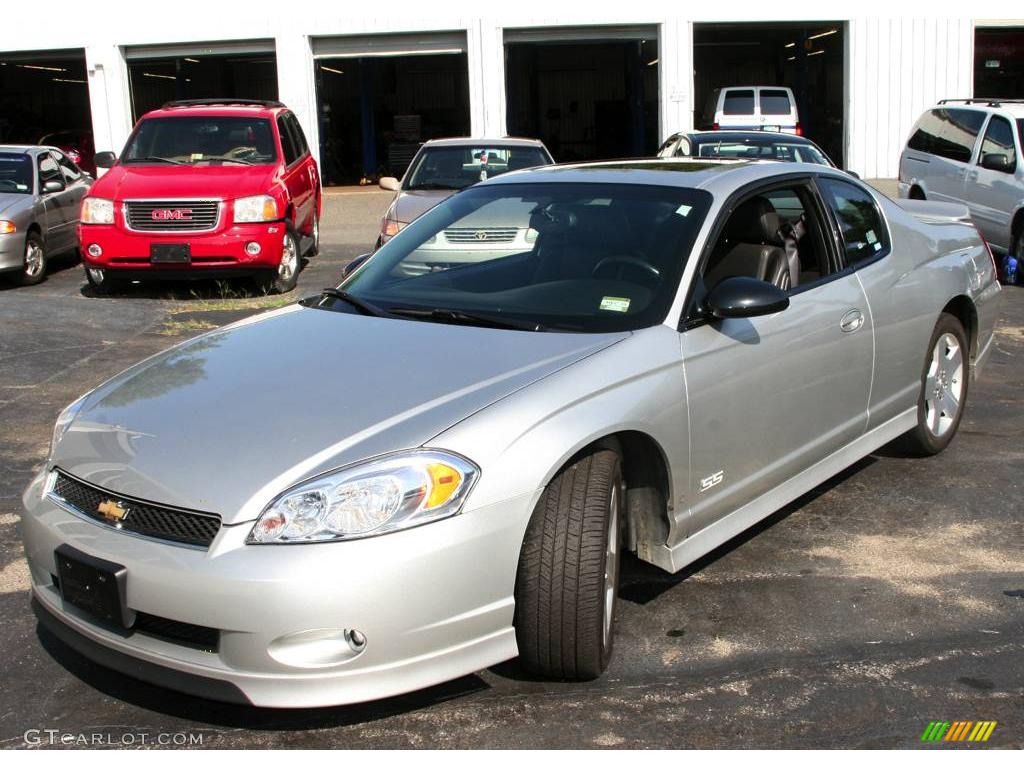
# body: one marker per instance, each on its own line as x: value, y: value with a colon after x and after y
x: 986, y: 102
x: 222, y: 103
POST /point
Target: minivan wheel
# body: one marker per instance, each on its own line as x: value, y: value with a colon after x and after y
x: 916, y: 193
x: 568, y: 576
x: 944, y: 384
x: 34, y: 269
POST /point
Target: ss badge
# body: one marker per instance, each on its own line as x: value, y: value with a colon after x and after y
x: 712, y: 480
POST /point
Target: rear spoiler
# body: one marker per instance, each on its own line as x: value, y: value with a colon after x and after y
x: 931, y: 212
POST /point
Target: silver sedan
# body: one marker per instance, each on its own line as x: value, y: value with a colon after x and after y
x: 435, y: 470
x: 41, y: 190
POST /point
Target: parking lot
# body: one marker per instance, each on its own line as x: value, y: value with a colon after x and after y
x: 891, y: 596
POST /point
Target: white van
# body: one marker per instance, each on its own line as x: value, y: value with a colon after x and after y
x: 752, y: 108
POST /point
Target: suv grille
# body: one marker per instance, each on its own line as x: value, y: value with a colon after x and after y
x: 482, y: 235
x: 143, y: 518
x: 172, y: 215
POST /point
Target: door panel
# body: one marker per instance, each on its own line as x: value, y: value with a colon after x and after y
x: 770, y: 396
x: 993, y: 195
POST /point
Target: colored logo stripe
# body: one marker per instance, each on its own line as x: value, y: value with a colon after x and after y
x: 982, y: 731
x: 935, y: 730
x: 958, y: 730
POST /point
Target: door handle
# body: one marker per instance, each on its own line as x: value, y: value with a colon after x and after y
x: 852, y: 321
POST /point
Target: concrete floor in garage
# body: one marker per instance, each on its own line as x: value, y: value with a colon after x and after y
x: 884, y: 599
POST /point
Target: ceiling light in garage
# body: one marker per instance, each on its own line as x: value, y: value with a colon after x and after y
x: 823, y: 34
x: 162, y: 77
x: 789, y: 45
x: 47, y: 69
x: 66, y: 80
x: 652, y: 63
x: 331, y: 69
x: 194, y: 61
x: 815, y: 53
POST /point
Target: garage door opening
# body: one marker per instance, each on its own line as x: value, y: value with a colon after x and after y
x: 589, y: 100
x: 159, y: 75
x: 999, y: 63
x: 375, y: 111
x: 807, y: 58
x: 43, y: 94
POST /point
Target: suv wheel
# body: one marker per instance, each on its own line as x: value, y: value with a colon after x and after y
x: 314, y: 233
x: 101, y: 282
x: 286, y: 276
x: 34, y: 269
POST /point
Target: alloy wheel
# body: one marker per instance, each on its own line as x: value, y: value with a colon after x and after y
x: 944, y: 385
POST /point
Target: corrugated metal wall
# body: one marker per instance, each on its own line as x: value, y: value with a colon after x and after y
x: 897, y: 68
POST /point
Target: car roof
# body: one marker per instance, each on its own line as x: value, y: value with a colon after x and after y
x: 720, y: 177
x: 214, y: 110
x: 1014, y: 107
x: 27, y: 149
x: 469, y: 141
x: 789, y: 138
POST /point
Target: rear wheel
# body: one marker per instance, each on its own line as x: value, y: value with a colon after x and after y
x: 568, y: 576
x: 314, y: 233
x: 34, y: 269
x: 944, y: 384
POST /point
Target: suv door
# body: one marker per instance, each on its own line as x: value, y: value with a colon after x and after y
x: 993, y: 195
x: 770, y: 396
x: 296, y: 175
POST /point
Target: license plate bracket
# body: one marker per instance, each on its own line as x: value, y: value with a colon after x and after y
x: 170, y: 253
x: 98, y: 587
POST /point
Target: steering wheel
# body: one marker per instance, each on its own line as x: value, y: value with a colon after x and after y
x: 12, y: 185
x: 625, y: 263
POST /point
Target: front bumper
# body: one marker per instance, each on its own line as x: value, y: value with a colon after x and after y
x: 12, y: 251
x: 433, y: 602
x: 221, y: 251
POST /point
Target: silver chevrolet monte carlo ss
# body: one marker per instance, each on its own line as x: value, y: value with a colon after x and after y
x: 437, y: 465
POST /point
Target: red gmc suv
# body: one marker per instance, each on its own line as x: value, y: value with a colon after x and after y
x: 208, y: 188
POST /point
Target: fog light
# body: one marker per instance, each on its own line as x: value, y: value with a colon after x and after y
x: 317, y: 648
x: 253, y: 249
x: 95, y: 251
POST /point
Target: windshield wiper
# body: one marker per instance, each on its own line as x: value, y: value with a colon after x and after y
x: 458, y: 317
x: 361, y: 304
x: 428, y: 185
x: 152, y: 159
x: 223, y: 160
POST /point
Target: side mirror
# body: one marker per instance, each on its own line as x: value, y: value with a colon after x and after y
x: 355, y: 264
x: 53, y: 186
x: 994, y: 162
x: 105, y: 159
x: 745, y: 297
x: 390, y: 183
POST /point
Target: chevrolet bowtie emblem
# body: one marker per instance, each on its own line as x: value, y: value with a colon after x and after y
x: 112, y: 511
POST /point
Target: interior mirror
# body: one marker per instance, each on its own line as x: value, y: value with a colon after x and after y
x: 745, y: 297
x: 355, y: 264
x: 53, y: 186
x: 996, y: 162
x: 390, y: 183
x: 105, y: 159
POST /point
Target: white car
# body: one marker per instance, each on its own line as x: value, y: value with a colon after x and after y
x: 752, y: 108
x: 969, y: 151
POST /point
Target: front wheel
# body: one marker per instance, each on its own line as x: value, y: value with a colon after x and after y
x: 284, y: 278
x: 34, y: 268
x: 101, y: 282
x: 568, y: 576
x: 944, y: 384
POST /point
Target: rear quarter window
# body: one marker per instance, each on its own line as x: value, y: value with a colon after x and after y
x: 864, y: 233
x: 949, y: 133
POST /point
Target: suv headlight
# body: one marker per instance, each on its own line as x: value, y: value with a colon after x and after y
x: 255, y: 209
x: 96, y: 210
x: 379, y: 496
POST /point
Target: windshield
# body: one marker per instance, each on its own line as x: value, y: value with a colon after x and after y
x: 563, y: 256
x: 192, y: 140
x: 760, y: 149
x: 458, y: 167
x: 15, y: 173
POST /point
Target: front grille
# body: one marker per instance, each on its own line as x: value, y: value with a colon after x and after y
x: 481, y: 235
x: 171, y: 215
x: 142, y: 517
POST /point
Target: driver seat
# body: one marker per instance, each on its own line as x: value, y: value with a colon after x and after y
x: 751, y: 246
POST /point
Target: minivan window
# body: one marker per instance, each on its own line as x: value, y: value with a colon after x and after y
x: 775, y: 102
x: 999, y: 141
x: 864, y: 232
x: 949, y: 133
x: 738, y: 103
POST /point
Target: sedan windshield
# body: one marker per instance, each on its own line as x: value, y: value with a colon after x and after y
x: 191, y: 140
x: 15, y: 173
x: 760, y: 149
x: 458, y: 167
x: 552, y: 256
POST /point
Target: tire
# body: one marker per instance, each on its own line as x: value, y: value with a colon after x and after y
x: 567, y: 580
x: 33, y: 270
x: 944, y: 385
x: 314, y: 231
x: 916, y: 193
x: 101, y: 282
x: 286, y: 276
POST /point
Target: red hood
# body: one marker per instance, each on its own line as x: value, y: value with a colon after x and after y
x: 224, y: 181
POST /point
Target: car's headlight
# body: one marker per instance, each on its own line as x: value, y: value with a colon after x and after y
x: 256, y: 208
x: 64, y: 421
x: 380, y: 496
x: 96, y: 210
x: 390, y: 227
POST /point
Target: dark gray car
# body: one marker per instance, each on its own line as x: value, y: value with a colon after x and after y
x: 41, y: 190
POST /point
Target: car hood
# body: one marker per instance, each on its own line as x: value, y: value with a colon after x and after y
x: 408, y: 205
x: 12, y: 204
x: 227, y: 421
x: 173, y: 181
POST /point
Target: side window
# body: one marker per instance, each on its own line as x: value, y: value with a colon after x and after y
x: 298, y: 137
x: 738, y: 102
x: 949, y: 133
x: 999, y: 141
x: 864, y: 232
x: 48, y: 170
x: 775, y: 236
x: 68, y: 169
x: 287, y: 142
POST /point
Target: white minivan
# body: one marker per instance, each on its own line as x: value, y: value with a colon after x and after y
x: 752, y: 108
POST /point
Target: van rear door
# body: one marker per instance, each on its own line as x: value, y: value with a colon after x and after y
x: 776, y: 110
